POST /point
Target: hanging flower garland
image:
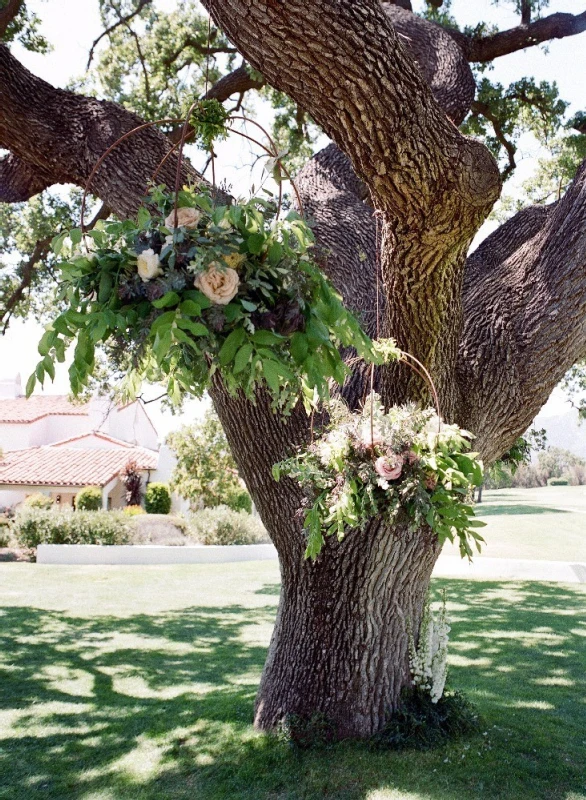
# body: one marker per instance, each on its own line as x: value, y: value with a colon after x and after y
x: 403, y: 464
x: 191, y: 287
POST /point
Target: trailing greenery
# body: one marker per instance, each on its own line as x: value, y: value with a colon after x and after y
x: 89, y: 499
x: 183, y: 293
x: 403, y: 464
x: 157, y: 498
x: 35, y: 526
x: 205, y: 472
x: 224, y: 526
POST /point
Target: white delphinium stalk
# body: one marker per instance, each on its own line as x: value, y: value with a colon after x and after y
x: 428, y: 661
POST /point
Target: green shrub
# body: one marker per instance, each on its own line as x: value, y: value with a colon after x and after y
x: 241, y: 501
x: 157, y: 499
x: 34, y: 526
x: 222, y: 525
x: 558, y: 482
x: 88, y: 499
x: 38, y: 500
x: 4, y: 536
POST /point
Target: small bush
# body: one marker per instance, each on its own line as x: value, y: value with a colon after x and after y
x: 222, y: 525
x: 38, y: 500
x: 419, y: 724
x: 558, y: 482
x: 88, y: 499
x: 133, y: 511
x: 242, y: 501
x: 4, y: 536
x: 157, y: 499
x: 34, y: 526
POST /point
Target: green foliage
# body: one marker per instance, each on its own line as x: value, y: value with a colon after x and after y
x: 157, y: 498
x: 206, y: 473
x: 501, y: 116
x: 35, y: 526
x: 558, y: 482
x: 209, y: 120
x: 133, y: 511
x: 420, y: 724
x: 224, y: 526
x: 398, y: 464
x: 24, y: 28
x: 38, y: 500
x: 574, y: 385
x: 501, y: 472
x: 89, y: 499
x: 172, y: 301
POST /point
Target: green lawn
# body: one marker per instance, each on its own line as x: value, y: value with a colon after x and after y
x: 137, y: 683
x: 547, y: 523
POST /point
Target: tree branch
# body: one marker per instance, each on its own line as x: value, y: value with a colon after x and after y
x: 484, y: 110
x: 20, y: 180
x: 487, y: 48
x: 62, y: 135
x: 117, y: 24
x: 8, y: 13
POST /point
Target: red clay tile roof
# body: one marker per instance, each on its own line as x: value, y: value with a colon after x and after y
x: 19, y: 409
x: 89, y: 434
x: 63, y: 466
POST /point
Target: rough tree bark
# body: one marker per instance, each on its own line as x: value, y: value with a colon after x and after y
x: 497, y: 331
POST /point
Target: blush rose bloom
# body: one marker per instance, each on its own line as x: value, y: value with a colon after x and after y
x: 186, y: 218
x: 219, y: 285
x: 148, y: 265
x: 389, y: 468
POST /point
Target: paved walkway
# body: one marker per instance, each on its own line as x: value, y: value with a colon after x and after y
x: 510, y: 569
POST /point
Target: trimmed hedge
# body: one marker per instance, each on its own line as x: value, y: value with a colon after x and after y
x: 34, y: 526
x: 222, y: 525
x: 157, y: 499
x: 558, y: 482
x: 89, y: 499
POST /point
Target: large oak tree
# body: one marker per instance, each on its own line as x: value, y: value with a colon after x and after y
x: 497, y: 330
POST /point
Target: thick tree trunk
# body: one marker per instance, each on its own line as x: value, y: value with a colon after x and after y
x: 340, y: 643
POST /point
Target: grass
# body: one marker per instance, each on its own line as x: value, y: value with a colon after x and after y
x: 137, y: 683
x: 545, y: 524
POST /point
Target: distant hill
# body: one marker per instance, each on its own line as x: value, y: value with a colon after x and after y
x: 564, y: 430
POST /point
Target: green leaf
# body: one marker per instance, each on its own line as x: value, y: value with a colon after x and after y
x: 30, y: 385
x: 196, y: 328
x: 46, y: 343
x: 242, y: 357
x: 270, y: 371
x: 143, y: 217
x: 105, y: 290
x: 231, y: 345
x: 75, y: 236
x: 248, y: 305
x: 190, y: 308
x: 275, y: 253
x: 49, y: 367
x: 57, y: 242
x: 262, y: 337
x: 255, y: 243
x: 169, y: 299
x: 299, y: 347
x: 40, y: 373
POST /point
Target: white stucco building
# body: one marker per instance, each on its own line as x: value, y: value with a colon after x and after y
x: 56, y: 447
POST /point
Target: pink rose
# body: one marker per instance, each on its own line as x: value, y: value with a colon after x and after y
x: 389, y: 468
x: 371, y: 438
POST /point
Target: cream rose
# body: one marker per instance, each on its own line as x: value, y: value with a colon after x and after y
x: 148, y: 265
x: 234, y: 260
x: 371, y: 437
x: 186, y: 218
x: 389, y: 468
x: 219, y: 285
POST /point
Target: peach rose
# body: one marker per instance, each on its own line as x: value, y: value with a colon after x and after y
x: 148, y: 265
x: 389, y: 468
x: 219, y: 285
x: 186, y: 218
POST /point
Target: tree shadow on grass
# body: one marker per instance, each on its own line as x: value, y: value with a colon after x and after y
x: 157, y: 707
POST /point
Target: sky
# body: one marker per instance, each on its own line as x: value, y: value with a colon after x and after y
x: 71, y: 26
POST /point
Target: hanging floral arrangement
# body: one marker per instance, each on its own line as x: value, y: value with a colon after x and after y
x: 193, y: 287
x: 403, y: 464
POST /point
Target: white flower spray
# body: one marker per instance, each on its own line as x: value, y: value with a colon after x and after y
x: 428, y: 661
